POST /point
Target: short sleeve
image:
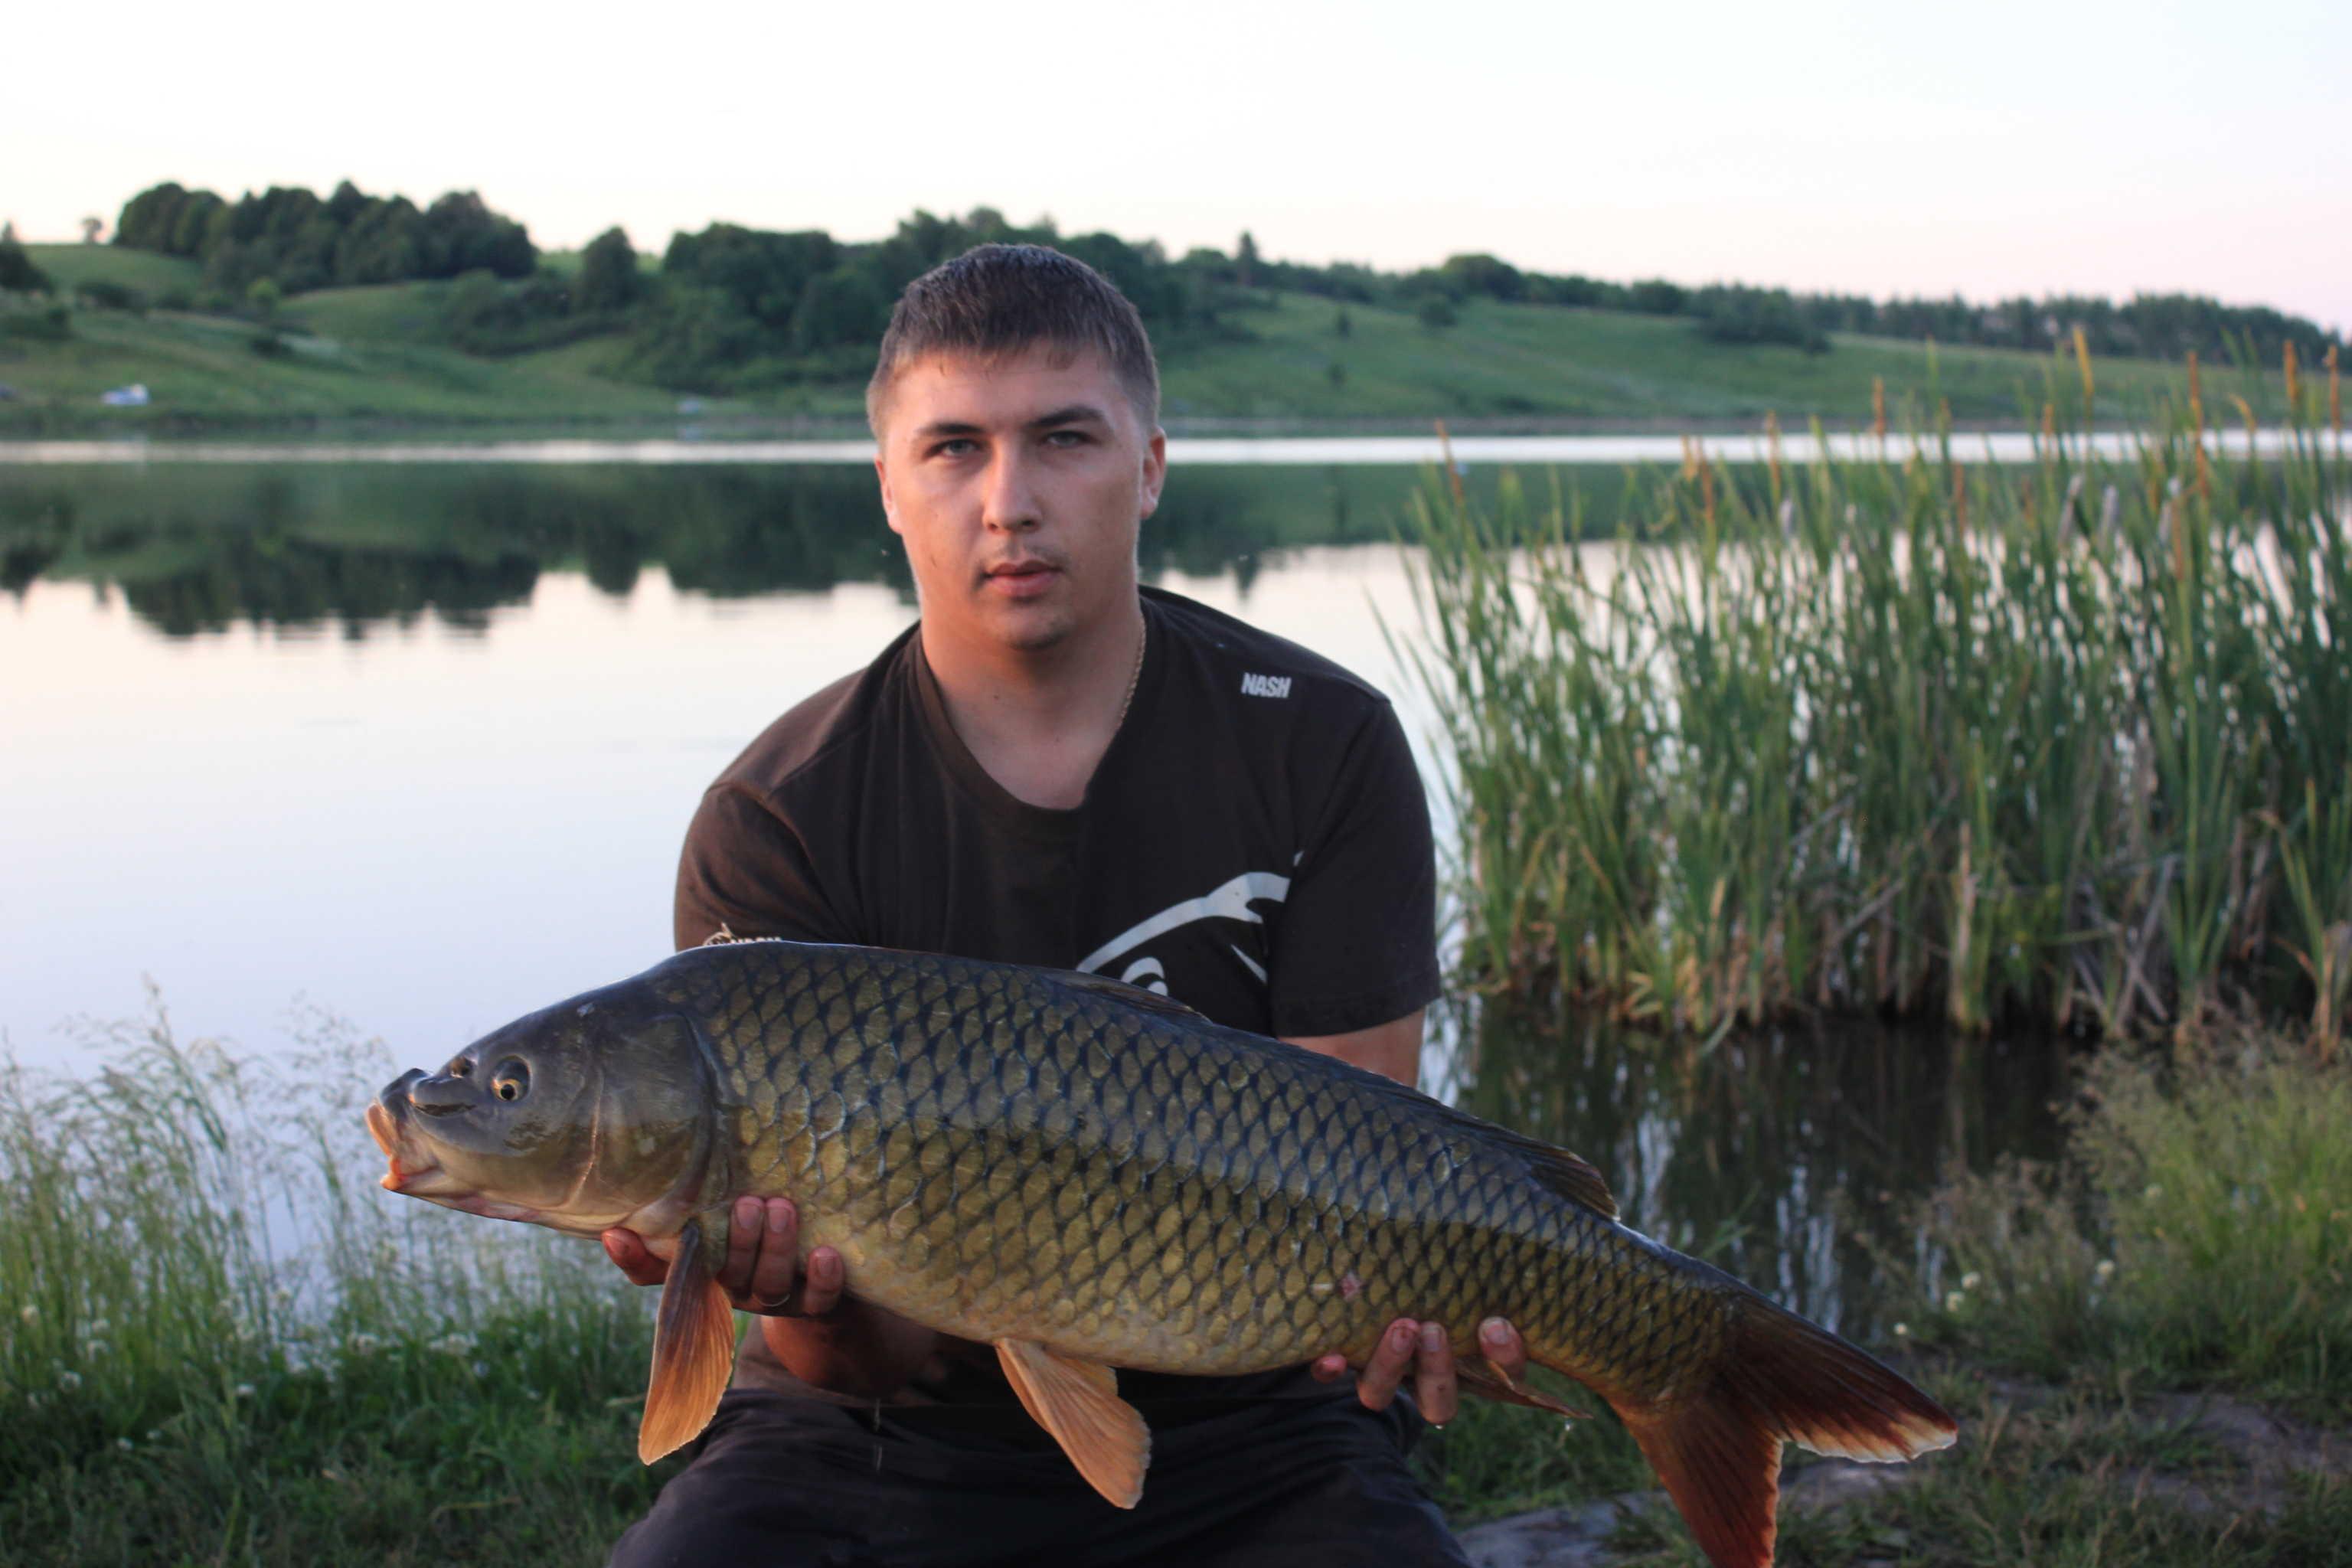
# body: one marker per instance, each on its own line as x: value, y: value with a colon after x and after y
x: 744, y: 867
x: 1357, y: 943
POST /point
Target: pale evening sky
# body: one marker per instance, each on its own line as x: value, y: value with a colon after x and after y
x: 1989, y: 149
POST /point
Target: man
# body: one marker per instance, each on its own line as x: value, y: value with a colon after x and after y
x: 1056, y: 767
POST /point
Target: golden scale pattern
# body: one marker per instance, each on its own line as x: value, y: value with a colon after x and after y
x: 1008, y: 1152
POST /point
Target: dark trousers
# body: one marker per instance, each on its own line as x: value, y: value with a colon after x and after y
x: 779, y: 1481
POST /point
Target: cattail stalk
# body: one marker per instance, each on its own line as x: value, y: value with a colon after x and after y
x: 2082, y: 358
x: 1878, y: 406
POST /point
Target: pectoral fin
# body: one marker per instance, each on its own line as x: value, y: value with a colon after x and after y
x: 694, y: 1347
x: 1077, y: 1401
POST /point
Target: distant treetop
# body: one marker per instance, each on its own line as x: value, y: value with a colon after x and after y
x: 288, y: 235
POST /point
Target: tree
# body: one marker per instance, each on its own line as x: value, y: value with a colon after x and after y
x: 17, y: 273
x: 1246, y: 260
x: 609, y: 279
x: 92, y: 227
x: 263, y: 296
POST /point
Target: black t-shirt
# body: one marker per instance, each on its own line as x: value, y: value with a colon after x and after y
x: 1256, y: 843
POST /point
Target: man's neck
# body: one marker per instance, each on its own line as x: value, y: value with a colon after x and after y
x: 1039, y: 722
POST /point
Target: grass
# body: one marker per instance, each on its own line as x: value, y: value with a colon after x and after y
x: 1528, y: 362
x: 2198, y: 1233
x: 71, y: 266
x: 1902, y: 735
x: 382, y: 353
x: 198, y: 1368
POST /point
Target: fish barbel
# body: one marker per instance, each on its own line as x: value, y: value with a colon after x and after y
x: 1091, y: 1176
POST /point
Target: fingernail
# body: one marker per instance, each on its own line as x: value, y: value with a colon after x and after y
x: 778, y: 1212
x: 1401, y: 1336
x: 1494, y: 1332
x: 1432, y: 1338
x: 746, y: 1211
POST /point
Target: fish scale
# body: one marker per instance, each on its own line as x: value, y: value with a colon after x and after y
x: 929, y: 1150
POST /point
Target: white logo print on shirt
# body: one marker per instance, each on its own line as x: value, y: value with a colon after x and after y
x: 1265, y: 686
x: 1229, y: 903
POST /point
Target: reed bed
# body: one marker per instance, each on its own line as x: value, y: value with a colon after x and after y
x: 2068, y: 742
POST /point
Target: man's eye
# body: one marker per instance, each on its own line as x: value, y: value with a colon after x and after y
x: 955, y: 446
x: 1066, y: 439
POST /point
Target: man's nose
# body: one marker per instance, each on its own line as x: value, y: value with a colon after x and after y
x: 1009, y: 499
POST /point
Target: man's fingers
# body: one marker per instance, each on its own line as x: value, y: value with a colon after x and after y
x: 1377, y: 1383
x: 1434, y: 1385
x: 629, y: 1252
x: 821, y: 1287
x: 779, y: 1249
x: 743, y: 1238
x: 1504, y: 1349
x: 1329, y: 1368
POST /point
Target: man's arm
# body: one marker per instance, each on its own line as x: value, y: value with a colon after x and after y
x: 1392, y: 1050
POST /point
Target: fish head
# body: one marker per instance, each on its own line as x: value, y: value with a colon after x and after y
x: 591, y: 1113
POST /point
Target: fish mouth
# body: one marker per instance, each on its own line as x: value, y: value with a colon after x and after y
x: 410, y: 1165
x: 414, y: 1172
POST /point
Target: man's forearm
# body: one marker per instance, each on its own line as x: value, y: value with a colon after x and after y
x: 1392, y: 1050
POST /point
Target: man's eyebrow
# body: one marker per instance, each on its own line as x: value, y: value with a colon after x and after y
x: 940, y: 428
x: 1070, y: 414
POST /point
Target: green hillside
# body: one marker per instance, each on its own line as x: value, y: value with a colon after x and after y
x: 382, y: 354
x: 71, y: 266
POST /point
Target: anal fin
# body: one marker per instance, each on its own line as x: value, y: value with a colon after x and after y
x: 1077, y: 1401
x: 694, y: 1347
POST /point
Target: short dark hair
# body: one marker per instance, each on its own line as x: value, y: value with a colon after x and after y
x: 999, y: 300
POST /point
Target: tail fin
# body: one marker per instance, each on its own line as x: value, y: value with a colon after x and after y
x: 1717, y: 1446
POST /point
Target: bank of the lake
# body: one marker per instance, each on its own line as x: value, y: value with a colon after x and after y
x: 381, y: 359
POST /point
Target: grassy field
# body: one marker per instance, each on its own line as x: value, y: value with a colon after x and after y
x: 71, y: 266
x: 2068, y: 742
x: 382, y: 354
x: 1502, y: 362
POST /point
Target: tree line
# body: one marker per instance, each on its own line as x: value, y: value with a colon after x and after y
x: 735, y: 308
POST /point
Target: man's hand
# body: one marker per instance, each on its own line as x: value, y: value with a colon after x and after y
x: 763, y: 1266
x: 1424, y: 1349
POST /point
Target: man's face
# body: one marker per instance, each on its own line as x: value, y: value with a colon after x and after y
x: 1018, y: 485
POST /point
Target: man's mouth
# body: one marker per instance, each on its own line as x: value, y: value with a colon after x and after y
x: 1021, y: 579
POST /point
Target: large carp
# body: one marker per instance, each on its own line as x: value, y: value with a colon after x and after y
x: 1091, y: 1176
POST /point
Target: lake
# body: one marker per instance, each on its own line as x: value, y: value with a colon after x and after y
x: 411, y: 744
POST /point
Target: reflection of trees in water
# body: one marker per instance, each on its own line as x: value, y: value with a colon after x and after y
x: 198, y: 548
x: 1775, y: 1154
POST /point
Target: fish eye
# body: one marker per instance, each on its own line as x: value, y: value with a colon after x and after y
x: 512, y: 1081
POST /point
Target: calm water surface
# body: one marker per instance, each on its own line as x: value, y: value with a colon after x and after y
x: 414, y: 744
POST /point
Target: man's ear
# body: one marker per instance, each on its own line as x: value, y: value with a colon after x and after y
x: 890, y: 510
x: 1155, y: 470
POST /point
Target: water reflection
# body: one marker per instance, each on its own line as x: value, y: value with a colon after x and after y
x: 1793, y: 1158
x: 199, y: 549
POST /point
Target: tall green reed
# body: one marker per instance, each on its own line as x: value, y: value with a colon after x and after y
x: 2067, y: 739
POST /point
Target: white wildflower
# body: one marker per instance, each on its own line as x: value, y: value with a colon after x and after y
x: 154, y: 1434
x: 244, y: 1391
x: 124, y: 1443
x: 2153, y: 1192
x: 1954, y: 1301
x: 1970, y: 1281
x: 364, y: 1344
x: 29, y: 1312
x: 2104, y: 1271
x: 99, y: 1326
x: 1902, y: 1331
x: 68, y: 1380
x: 95, y: 1350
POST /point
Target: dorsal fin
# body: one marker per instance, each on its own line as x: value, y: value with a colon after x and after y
x: 1077, y: 1401
x: 1128, y: 995
x: 1570, y: 1176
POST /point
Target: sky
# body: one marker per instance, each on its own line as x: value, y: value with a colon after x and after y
x: 1991, y: 149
